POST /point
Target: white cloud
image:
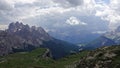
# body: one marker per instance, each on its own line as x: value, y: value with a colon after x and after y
x: 110, y: 12
x: 74, y: 21
x: 99, y: 32
x: 29, y: 10
x: 2, y: 27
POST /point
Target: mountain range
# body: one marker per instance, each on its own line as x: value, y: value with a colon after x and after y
x: 24, y: 46
x: 107, y: 39
x: 19, y: 37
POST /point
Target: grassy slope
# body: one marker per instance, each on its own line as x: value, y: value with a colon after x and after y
x: 25, y: 59
x: 69, y: 60
x: 34, y: 59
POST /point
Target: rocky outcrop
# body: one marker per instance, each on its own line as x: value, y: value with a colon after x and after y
x: 105, y: 57
x: 47, y: 54
x: 8, y: 42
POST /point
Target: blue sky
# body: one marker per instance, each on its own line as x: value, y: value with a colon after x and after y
x: 106, y: 1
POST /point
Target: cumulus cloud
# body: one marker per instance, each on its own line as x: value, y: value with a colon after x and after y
x: 74, y: 21
x: 2, y: 27
x: 110, y: 12
x: 53, y: 12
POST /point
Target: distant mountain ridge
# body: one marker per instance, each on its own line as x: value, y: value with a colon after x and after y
x: 19, y: 37
x: 108, y: 39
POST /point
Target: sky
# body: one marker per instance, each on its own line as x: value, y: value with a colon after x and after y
x: 94, y: 15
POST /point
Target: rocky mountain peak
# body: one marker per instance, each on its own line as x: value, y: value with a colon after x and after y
x: 20, y: 36
x: 14, y: 27
x: 19, y: 26
x: 30, y: 35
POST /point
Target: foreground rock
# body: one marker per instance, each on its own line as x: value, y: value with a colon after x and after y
x: 106, y: 57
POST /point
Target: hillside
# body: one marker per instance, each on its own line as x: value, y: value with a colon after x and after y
x: 105, y: 57
x: 99, y: 42
x: 36, y: 59
x: 108, y: 57
x: 107, y: 39
x: 25, y: 59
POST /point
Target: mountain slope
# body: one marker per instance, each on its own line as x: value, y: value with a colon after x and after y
x: 30, y: 59
x: 19, y: 37
x: 99, y: 42
x: 109, y: 38
x: 35, y: 59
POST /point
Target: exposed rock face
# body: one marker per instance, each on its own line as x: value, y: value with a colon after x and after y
x: 27, y: 32
x: 47, y: 54
x: 8, y: 42
x: 19, y: 37
x: 33, y: 35
x: 105, y: 57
